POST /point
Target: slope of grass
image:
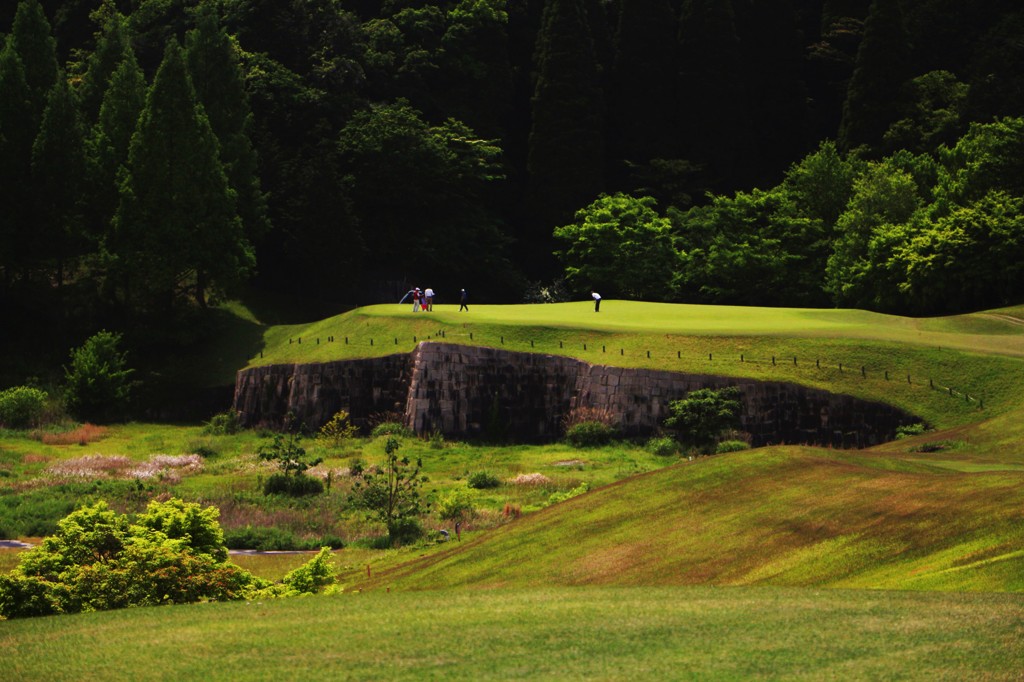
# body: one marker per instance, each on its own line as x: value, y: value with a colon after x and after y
x: 588, y: 633
x: 783, y: 516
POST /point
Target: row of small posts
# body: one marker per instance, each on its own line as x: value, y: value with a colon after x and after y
x: 622, y: 352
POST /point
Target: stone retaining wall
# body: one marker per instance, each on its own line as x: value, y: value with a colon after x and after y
x: 474, y: 391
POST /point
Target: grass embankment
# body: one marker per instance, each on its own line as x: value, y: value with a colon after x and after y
x: 980, y: 356
x: 780, y: 516
x: 591, y: 633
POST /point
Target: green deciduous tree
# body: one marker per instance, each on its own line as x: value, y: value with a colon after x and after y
x: 621, y: 246
x: 392, y: 496
x: 176, y: 228
x: 885, y: 196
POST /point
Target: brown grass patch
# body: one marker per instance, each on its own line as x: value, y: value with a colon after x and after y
x: 83, y: 435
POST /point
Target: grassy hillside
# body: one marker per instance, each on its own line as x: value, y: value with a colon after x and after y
x: 781, y: 516
x: 920, y: 541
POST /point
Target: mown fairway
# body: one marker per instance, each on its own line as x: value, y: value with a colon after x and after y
x: 546, y: 634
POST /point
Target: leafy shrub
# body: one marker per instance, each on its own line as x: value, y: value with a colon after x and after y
x: 98, y: 560
x: 455, y: 504
x: 910, y: 430
x: 224, y: 424
x: 404, y: 531
x: 338, y: 430
x: 396, y: 429
x: 557, y: 497
x: 662, y: 446
x: 482, y: 480
x: 703, y: 415
x: 589, y: 434
x: 731, y: 446
x: 298, y: 485
x: 22, y: 407
x: 314, y: 575
x: 98, y: 380
x: 436, y: 440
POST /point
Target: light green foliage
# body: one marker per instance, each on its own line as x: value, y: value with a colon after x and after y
x: 883, y: 197
x: 663, y: 446
x: 622, y: 247
x: 314, y: 575
x: 455, y: 504
x: 22, y: 407
x: 98, y: 379
x: 702, y: 416
x: 391, y: 429
x: 98, y: 560
x: 731, y: 446
x: 337, y: 431
x: 392, y: 496
x: 555, y: 498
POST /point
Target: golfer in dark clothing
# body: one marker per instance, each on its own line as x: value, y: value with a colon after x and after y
x: 597, y: 301
x: 463, y: 298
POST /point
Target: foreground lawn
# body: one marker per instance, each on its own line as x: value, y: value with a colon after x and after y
x: 547, y: 634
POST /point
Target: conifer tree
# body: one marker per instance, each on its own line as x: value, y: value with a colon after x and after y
x: 16, y: 137
x: 566, y: 145
x: 176, y: 228
x: 714, y: 109
x: 32, y: 38
x: 874, y: 98
x: 58, y: 174
x: 109, y: 139
x: 643, y: 80
x: 112, y: 47
x: 773, y: 57
x: 218, y: 81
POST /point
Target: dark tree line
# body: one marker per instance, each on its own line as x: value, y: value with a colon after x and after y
x: 158, y: 154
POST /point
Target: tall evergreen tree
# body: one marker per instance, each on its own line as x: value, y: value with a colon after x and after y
x: 112, y: 45
x: 218, y: 80
x: 176, y: 229
x: 108, y: 143
x: 58, y: 175
x: 643, y: 81
x: 772, y: 61
x: 32, y: 38
x: 874, y: 99
x: 714, y: 109
x: 566, y: 145
x: 16, y: 137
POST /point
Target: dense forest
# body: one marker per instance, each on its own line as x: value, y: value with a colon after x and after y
x: 160, y: 155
